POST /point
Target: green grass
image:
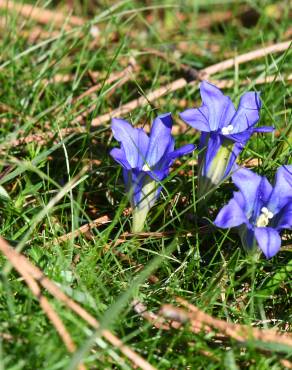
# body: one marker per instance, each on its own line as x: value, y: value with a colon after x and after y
x: 210, y: 270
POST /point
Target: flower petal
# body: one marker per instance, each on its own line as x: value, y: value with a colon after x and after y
x: 268, y: 240
x: 161, y: 170
x: 119, y: 156
x: 255, y: 189
x: 230, y: 215
x: 247, y: 113
x: 246, y: 233
x: 244, y: 136
x: 159, y: 174
x: 134, y: 141
x: 186, y: 149
x: 220, y: 107
x: 236, y: 150
x: 197, y: 118
x: 220, y: 156
x: 237, y: 195
x: 284, y: 218
x: 264, y: 129
x: 282, y: 192
x: 127, y: 175
x: 209, y: 144
x: 145, y: 190
x: 241, y: 137
x: 135, y: 185
x: 160, y: 139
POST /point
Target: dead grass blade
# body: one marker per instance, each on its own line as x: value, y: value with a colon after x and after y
x: 224, y: 84
x: 155, y: 95
x: 124, y: 76
x: 44, y: 303
x: 34, y: 276
x: 238, y: 332
x: 157, y: 321
x: 83, y: 229
x: 247, y: 57
x: 200, y: 321
x: 41, y: 15
x: 182, y: 82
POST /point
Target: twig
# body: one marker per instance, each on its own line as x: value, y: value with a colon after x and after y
x: 7, y: 337
x: 208, y: 20
x: 239, y: 332
x: 158, y: 321
x: 23, y: 265
x: 224, y: 84
x: 49, y: 135
x: 83, y: 229
x: 63, y: 78
x: 182, y: 82
x: 286, y: 363
x: 44, y: 303
x: 124, y: 76
x: 140, y: 102
x: 155, y: 95
x: 41, y: 15
x: 244, y: 58
x: 36, y: 33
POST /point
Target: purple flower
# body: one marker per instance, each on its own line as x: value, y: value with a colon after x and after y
x: 225, y: 131
x: 146, y: 161
x: 258, y: 210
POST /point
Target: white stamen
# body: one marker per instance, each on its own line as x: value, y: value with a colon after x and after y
x: 266, y: 212
x: 227, y: 130
x: 146, y: 167
x: 264, y: 217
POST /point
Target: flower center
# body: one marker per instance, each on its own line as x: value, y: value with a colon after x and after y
x: 227, y: 130
x: 146, y: 167
x: 264, y: 217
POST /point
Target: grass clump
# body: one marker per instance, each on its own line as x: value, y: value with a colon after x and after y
x: 59, y: 179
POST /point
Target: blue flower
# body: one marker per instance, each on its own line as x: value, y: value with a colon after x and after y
x: 225, y: 132
x: 146, y: 161
x: 258, y: 210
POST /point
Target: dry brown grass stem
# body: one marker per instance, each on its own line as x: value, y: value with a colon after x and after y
x: 208, y: 20
x: 34, y: 276
x: 52, y: 315
x: 158, y: 321
x: 83, y: 229
x: 43, y: 138
x: 182, y: 82
x: 123, y: 76
x: 64, y: 78
x: 33, y: 35
x: 41, y: 15
x: 224, y: 84
x: 200, y: 321
x: 156, y: 94
x: 238, y: 332
x: 140, y: 102
x: 247, y: 57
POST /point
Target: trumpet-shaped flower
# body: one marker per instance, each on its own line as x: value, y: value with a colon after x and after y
x: 146, y: 161
x: 225, y: 131
x: 258, y: 210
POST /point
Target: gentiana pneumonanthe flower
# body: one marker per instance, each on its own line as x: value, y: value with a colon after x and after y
x: 146, y: 161
x: 225, y: 132
x: 258, y: 210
